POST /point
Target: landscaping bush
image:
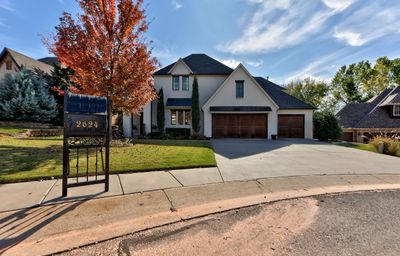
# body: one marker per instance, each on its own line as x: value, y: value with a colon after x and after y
x: 178, y: 132
x: 25, y: 96
x: 326, y: 126
x: 391, y: 146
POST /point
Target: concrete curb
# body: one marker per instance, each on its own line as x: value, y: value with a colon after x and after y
x: 198, y: 201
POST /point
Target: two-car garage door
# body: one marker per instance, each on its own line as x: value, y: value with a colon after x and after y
x: 239, y: 125
x: 255, y: 126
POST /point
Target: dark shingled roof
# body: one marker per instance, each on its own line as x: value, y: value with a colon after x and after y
x: 50, y: 60
x: 371, y: 114
x: 278, y: 94
x: 179, y: 102
x: 240, y: 108
x: 200, y: 64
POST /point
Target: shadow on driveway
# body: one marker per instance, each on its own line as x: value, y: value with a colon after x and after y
x: 237, y: 148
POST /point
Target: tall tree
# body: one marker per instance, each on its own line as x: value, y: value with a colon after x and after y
x: 106, y: 49
x: 61, y: 79
x: 395, y: 71
x: 195, y: 106
x: 382, y: 75
x: 309, y: 90
x: 160, y: 111
x: 345, y: 86
x: 25, y: 96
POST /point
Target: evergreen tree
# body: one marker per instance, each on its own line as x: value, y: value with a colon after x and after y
x: 195, y: 107
x: 160, y: 111
x: 25, y: 96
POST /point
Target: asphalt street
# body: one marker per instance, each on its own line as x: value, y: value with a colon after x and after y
x: 362, y: 223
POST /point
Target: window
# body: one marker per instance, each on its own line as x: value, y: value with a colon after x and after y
x: 396, y: 110
x: 180, y: 117
x: 175, y: 83
x: 239, y: 89
x: 185, y: 83
x: 187, y: 117
x: 173, y: 117
x: 8, y: 65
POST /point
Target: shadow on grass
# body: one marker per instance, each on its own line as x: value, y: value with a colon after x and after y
x: 180, y: 143
x: 15, y: 160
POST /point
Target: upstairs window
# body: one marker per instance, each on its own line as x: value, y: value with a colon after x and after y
x: 185, y: 83
x: 8, y: 65
x: 239, y: 89
x: 396, y: 110
x: 175, y: 83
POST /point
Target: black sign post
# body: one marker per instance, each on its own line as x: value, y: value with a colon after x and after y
x: 87, y: 134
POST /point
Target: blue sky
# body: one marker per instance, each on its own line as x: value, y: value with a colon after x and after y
x: 285, y: 39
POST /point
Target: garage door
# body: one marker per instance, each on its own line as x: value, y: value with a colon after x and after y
x: 291, y: 126
x: 239, y: 125
x: 347, y: 136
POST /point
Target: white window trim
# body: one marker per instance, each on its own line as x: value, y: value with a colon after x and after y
x: 184, y: 111
x: 394, y: 110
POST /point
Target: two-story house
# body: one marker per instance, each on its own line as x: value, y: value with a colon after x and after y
x: 233, y: 103
x: 379, y: 115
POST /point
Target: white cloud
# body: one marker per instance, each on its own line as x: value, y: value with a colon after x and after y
x: 370, y: 22
x: 6, y: 5
x: 232, y: 63
x: 177, y: 5
x: 256, y: 63
x: 338, y: 5
x: 280, y: 24
x: 352, y: 38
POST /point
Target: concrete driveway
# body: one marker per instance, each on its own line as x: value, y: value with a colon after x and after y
x: 246, y: 159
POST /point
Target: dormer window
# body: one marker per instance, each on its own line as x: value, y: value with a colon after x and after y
x: 396, y: 110
x: 175, y: 83
x: 239, y: 89
x: 8, y: 65
x: 185, y: 83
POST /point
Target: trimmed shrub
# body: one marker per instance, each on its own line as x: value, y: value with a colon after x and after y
x: 195, y: 107
x: 160, y: 111
x: 391, y: 146
x: 326, y: 126
x: 178, y: 132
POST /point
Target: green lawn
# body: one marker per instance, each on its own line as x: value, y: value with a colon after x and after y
x: 361, y: 146
x: 10, y: 130
x: 23, y: 159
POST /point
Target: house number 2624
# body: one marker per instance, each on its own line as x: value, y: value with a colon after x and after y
x: 86, y: 124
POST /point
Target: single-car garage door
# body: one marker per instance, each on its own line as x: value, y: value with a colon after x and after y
x: 291, y: 126
x: 239, y: 125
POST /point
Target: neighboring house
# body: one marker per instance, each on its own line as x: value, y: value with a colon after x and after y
x: 233, y: 103
x: 381, y: 114
x: 11, y: 62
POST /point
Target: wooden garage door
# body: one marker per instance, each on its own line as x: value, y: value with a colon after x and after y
x: 347, y: 136
x: 291, y: 126
x: 239, y: 125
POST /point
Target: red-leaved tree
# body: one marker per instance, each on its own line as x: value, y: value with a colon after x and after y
x: 106, y: 49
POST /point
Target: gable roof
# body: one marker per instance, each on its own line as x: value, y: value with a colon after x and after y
x: 199, y: 64
x: 278, y: 94
x: 240, y: 66
x: 371, y: 114
x: 24, y: 61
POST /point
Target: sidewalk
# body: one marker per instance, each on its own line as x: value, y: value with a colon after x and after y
x: 57, y: 226
x: 30, y: 194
